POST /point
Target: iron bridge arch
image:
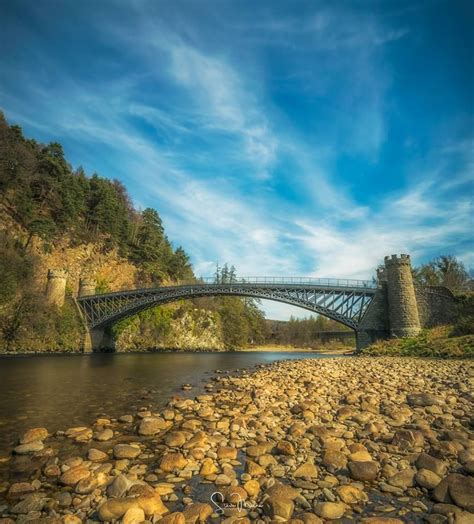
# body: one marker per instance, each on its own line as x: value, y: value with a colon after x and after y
x: 345, y: 301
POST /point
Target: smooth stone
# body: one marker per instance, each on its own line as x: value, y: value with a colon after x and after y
x: 104, y: 435
x: 19, y: 489
x: 381, y: 520
x: 208, y: 467
x: 258, y: 449
x: 33, y: 502
x: 175, y: 518
x: 330, y: 510
x: 351, y: 494
x: 226, y: 452
x: 252, y: 487
x: 279, y: 490
x: 173, y: 461
x: 403, y: 479
x: 197, y: 512
x: 119, y: 486
x: 33, y: 435
x: 151, y: 426
x: 234, y: 494
x: 456, y: 488
x: 133, y: 516
x: 425, y: 461
x: 284, y: 447
x: 115, y: 508
x: 175, y: 439
x: 126, y: 451
x: 96, y: 455
x: 427, y: 479
x: 148, y: 499
x: 334, y: 459
x: 278, y: 507
x: 254, y: 469
x: 461, y: 489
x: 365, y: 471
x: 423, y: 399
x: 222, y: 480
x: 30, y: 447
x: 306, y: 470
x: 407, y: 439
x: 73, y: 475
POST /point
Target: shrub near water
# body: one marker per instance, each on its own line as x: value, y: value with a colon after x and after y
x: 435, y: 342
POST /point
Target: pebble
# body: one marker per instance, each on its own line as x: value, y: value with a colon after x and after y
x: 356, y: 439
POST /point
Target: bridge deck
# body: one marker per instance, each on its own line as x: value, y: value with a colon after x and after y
x: 343, y: 300
x: 327, y: 284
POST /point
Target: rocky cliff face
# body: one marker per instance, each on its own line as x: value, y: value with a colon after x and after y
x: 175, y: 326
x: 106, y: 265
x: 184, y: 329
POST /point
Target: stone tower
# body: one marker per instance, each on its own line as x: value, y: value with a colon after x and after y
x: 56, y: 287
x: 402, y: 307
x: 86, y: 287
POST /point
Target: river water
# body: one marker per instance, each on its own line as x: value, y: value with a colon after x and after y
x: 62, y: 391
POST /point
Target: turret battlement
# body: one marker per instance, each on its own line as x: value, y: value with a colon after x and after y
x: 381, y: 274
x: 57, y: 273
x: 56, y: 287
x: 397, y: 260
x: 87, y: 286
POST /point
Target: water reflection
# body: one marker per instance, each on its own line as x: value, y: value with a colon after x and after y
x: 62, y: 391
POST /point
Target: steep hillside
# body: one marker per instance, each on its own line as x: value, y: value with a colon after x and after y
x: 55, y: 217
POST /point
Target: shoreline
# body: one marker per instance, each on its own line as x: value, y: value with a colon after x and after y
x: 259, y: 349
x: 310, y: 439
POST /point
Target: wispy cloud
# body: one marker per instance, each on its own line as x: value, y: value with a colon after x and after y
x: 281, y: 150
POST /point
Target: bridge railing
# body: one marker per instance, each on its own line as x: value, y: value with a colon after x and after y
x: 302, y: 281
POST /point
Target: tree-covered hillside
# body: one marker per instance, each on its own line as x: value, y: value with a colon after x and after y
x: 50, y: 203
x: 48, y: 198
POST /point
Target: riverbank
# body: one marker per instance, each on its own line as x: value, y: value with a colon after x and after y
x: 326, y: 349
x: 437, y: 342
x: 323, y: 349
x: 359, y: 439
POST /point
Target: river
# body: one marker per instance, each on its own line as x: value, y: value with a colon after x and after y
x: 62, y: 391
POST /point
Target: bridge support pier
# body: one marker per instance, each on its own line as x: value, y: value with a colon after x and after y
x: 363, y: 339
x: 98, y: 340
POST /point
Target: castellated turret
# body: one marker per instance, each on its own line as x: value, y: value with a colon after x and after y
x: 87, y: 287
x: 402, y: 306
x: 56, y: 287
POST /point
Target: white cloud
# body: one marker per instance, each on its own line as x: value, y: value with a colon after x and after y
x: 212, y: 96
x: 223, y: 102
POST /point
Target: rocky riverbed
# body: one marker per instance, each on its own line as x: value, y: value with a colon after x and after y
x: 309, y: 441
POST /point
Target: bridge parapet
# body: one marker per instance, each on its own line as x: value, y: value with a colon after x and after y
x: 299, y: 281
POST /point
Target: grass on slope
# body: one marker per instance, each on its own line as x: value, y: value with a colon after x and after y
x: 435, y: 342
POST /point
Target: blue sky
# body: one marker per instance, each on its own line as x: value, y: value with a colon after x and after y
x: 286, y: 138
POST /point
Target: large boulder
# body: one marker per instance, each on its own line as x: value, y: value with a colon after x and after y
x: 427, y: 479
x: 330, y: 510
x: 365, y: 471
x: 197, y: 512
x: 172, y: 461
x: 334, y: 459
x: 408, y: 439
x: 73, y: 475
x: 151, y: 426
x: 126, y: 451
x: 425, y: 461
x: 423, y: 400
x: 33, y: 435
x: 457, y: 489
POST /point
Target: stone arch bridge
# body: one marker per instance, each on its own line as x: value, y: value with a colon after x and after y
x: 387, y: 306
